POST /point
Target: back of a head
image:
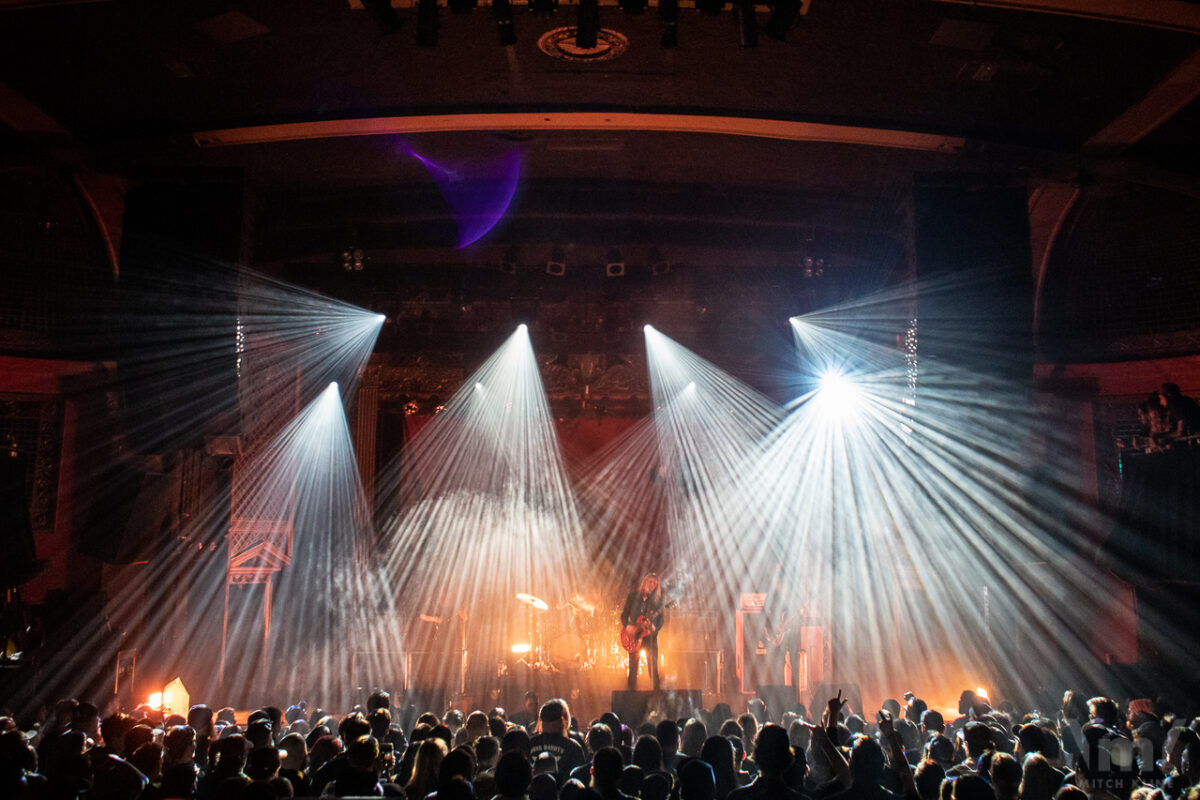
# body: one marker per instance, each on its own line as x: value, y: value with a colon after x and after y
x: 179, y: 743
x: 200, y: 718
x: 648, y: 754
x: 656, y: 786
x: 1032, y: 738
x: 978, y: 738
x: 113, y: 729
x: 258, y: 733
x: 611, y: 719
x: 543, y: 787
x: 972, y: 787
x: 363, y: 753
x: 380, y: 720
x: 516, y: 740
x: 455, y: 789
x: 545, y: 763
x: 866, y: 761
x: 696, y: 781
x: 932, y: 721
x: 599, y: 736
x: 379, y: 699
x: 718, y: 753
x: 553, y: 713
x: 941, y: 750
x: 295, y: 751
x: 607, y: 765
x: 667, y: 733
x: 749, y: 725
x: 148, y: 760
x: 1005, y: 774
x: 353, y: 727
x: 487, y: 748
x: 1103, y: 710
x: 263, y: 763
x: 692, y: 738
x: 513, y: 774
x: 914, y: 709
x: 631, y: 780
x: 928, y: 777
x: 460, y: 761
x: 772, y: 751
x: 231, y: 753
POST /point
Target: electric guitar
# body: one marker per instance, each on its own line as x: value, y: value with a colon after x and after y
x: 633, y: 635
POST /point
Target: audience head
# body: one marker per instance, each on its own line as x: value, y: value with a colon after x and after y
x: 607, y: 766
x: 866, y: 761
x: 648, y: 754
x: 544, y: 786
x: 513, y: 774
x: 599, y: 736
x: 772, y: 752
x: 928, y: 778
x: 667, y: 733
x: 693, y: 737
x: 697, y: 781
x: 553, y: 718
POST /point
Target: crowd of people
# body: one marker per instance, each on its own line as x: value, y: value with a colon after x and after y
x: 1085, y: 750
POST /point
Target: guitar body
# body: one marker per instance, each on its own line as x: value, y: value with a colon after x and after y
x: 633, y: 635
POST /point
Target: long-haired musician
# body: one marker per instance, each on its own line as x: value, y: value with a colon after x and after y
x: 643, y: 617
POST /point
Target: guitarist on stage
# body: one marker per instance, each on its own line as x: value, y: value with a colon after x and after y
x: 642, y: 619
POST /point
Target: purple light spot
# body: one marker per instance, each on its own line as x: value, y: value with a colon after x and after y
x: 478, y: 191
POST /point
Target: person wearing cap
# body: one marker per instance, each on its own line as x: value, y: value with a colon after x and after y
x: 553, y: 724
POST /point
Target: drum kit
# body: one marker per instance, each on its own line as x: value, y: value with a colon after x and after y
x: 582, y: 636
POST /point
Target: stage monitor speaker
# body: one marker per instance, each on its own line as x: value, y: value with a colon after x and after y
x: 635, y: 707
x: 435, y: 667
x: 819, y: 697
x: 692, y: 668
x: 680, y: 703
x: 778, y: 698
x: 632, y: 707
x: 416, y: 702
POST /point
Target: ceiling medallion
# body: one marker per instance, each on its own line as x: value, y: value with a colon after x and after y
x: 560, y: 43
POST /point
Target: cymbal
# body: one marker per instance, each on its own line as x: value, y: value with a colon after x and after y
x: 536, y: 602
x: 582, y: 604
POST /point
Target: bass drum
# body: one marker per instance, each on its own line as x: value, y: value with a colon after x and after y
x: 568, y: 652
